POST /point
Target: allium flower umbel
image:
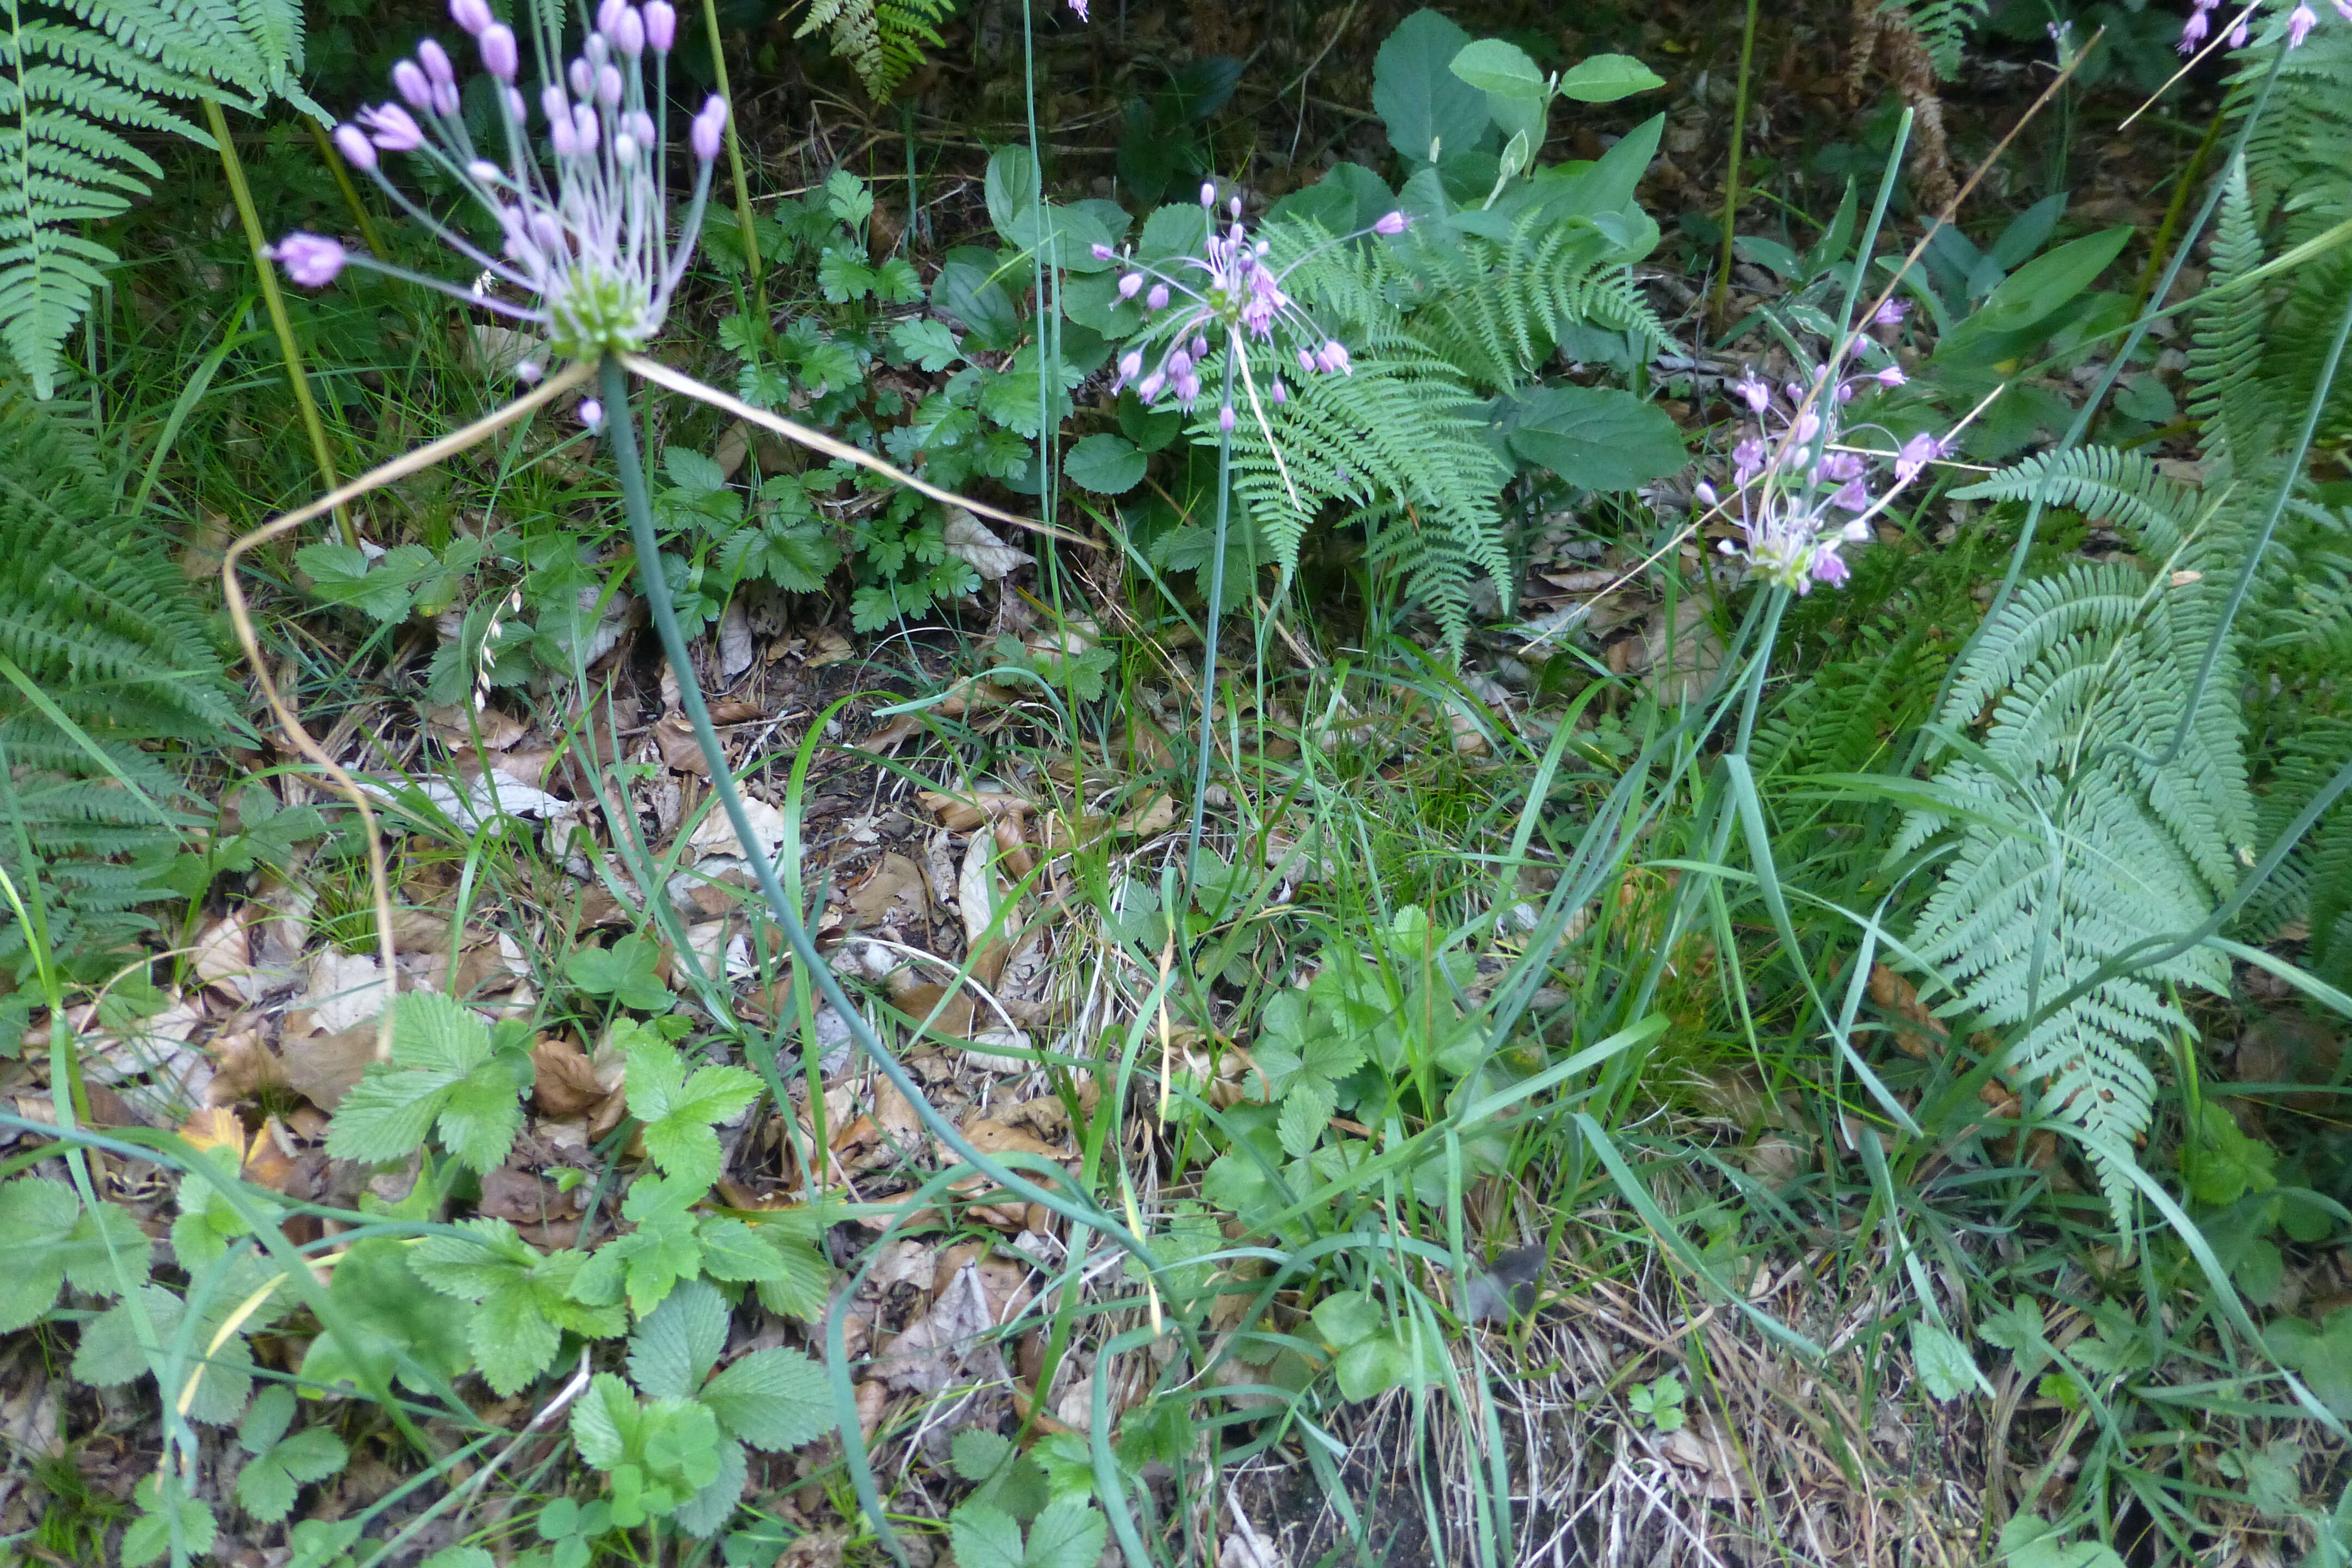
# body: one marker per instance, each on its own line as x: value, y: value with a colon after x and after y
x: 579, y: 195
x: 1801, y: 493
x: 1227, y: 297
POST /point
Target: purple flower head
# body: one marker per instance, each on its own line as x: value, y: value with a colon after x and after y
x: 2344, y: 9
x: 1748, y: 460
x: 499, y: 56
x: 1208, y: 193
x: 1101, y: 252
x: 2242, y: 32
x: 1890, y: 313
x: 1851, y: 496
x: 1829, y: 567
x: 1225, y: 418
x: 2194, y: 33
x: 588, y: 241
x: 1891, y: 376
x: 1753, y: 393
x: 1130, y: 364
x: 1279, y: 392
x: 1394, y: 223
x: 2299, y: 23
x: 592, y: 413
x: 1839, y: 466
x: 1188, y: 389
x: 1150, y: 387
x: 1156, y: 298
x: 391, y: 127
x: 311, y: 260
x: 1131, y: 286
x: 1703, y: 493
x: 356, y: 149
x: 528, y: 372
x: 1078, y: 8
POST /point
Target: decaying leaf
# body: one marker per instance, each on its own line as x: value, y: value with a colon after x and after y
x: 674, y: 738
x: 969, y: 540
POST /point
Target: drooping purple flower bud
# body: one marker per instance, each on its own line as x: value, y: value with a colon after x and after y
x: 661, y: 26
x: 1100, y: 251
x: 1753, y: 393
x: 1703, y: 493
x: 709, y: 126
x: 629, y: 37
x: 1892, y: 376
x: 1916, y: 454
x: 1156, y: 299
x: 1131, y: 286
x: 1199, y: 349
x: 582, y: 77
x: 2242, y: 32
x: 2344, y: 9
x: 592, y: 413
x: 528, y: 372
x: 2194, y: 32
x: 1305, y: 362
x: 1226, y: 420
x: 1808, y: 426
x: 1844, y: 393
x: 1890, y: 313
x: 311, y: 260
x: 1829, y: 567
x: 409, y: 80
x: 1208, y: 193
x: 500, y: 57
x: 435, y: 60
x: 1148, y: 387
x: 2299, y: 23
x: 1281, y: 393
x: 1851, y: 496
x: 1188, y: 389
x: 391, y: 127
x: 1839, y: 466
x: 1079, y: 7
x: 1336, y: 352
x: 1391, y: 223
x: 356, y: 149
x: 471, y: 15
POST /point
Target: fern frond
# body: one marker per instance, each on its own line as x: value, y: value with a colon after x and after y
x: 73, y: 77
x: 883, y: 40
x: 1943, y: 27
x: 2101, y: 483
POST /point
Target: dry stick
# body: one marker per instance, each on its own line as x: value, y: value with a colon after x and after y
x: 680, y: 382
x: 400, y: 468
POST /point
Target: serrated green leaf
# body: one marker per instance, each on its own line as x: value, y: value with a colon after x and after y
x: 603, y: 1420
x: 772, y: 1399
x: 977, y: 1453
x: 802, y: 1285
x: 45, y: 1237
x: 678, y: 1112
x: 626, y: 972
x: 693, y: 471
x: 393, y: 1325
x: 281, y: 1466
x: 984, y: 1537
x: 1944, y: 1364
x: 734, y: 1252
x: 1068, y: 1535
x: 442, y: 1068
x: 678, y: 1344
x: 929, y: 343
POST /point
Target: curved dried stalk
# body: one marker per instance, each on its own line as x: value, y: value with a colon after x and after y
x: 400, y: 468
x: 676, y: 381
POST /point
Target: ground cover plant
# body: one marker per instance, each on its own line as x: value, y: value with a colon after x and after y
x: 1046, y: 785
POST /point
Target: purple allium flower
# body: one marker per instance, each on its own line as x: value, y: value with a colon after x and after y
x: 1753, y: 393
x: 2193, y: 33
x: 1149, y: 388
x: 1829, y: 567
x: 1156, y: 298
x: 592, y: 413
x: 311, y: 260
x: 1851, y: 496
x: 2299, y: 23
x: 1279, y: 392
x: 1394, y: 223
x: 2344, y: 9
x: 2242, y: 32
x: 1101, y: 252
x: 1079, y: 8
x: 1208, y: 193
x: 1917, y: 453
x: 1890, y: 313
x: 1130, y: 365
x: 588, y: 238
x: 1225, y: 418
x: 1891, y: 376
x: 1131, y: 285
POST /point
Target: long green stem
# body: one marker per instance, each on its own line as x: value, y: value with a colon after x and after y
x: 1731, y: 175
x: 274, y: 302
x: 1076, y: 1208
x: 351, y: 193
x: 1209, y: 638
x: 735, y: 166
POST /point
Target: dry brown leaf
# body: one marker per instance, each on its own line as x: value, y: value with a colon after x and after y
x: 345, y: 990
x: 960, y: 812
x: 873, y: 1399
x: 737, y: 711
x: 562, y: 1081
x: 454, y: 724
x: 953, y: 1014
x: 891, y: 894
x: 244, y: 1065
x: 674, y: 738
x: 970, y: 540
x: 544, y: 1216
x: 1919, y: 1032
x: 322, y: 1068
x: 715, y: 835
x: 223, y: 958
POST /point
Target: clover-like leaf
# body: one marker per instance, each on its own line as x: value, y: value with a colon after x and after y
x: 163, y: 1506
x: 280, y: 1466
x: 626, y: 972
x: 678, y: 1111
x: 443, y: 1070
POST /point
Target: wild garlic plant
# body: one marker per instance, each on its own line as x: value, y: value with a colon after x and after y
x: 581, y: 197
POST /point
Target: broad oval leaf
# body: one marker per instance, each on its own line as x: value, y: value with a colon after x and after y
x: 1599, y: 437
x: 1424, y: 104
x: 1106, y: 464
x: 1604, y: 78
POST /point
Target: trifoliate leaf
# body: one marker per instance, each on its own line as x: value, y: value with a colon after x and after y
x: 281, y: 1466
x: 442, y: 1069
x: 46, y: 1239
x: 626, y: 972
x: 677, y: 1110
x: 772, y: 1399
x: 161, y: 1506
x: 526, y: 1298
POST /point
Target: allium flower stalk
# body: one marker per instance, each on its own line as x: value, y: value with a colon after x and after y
x: 1227, y: 297
x: 1802, y: 492
x: 585, y: 239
